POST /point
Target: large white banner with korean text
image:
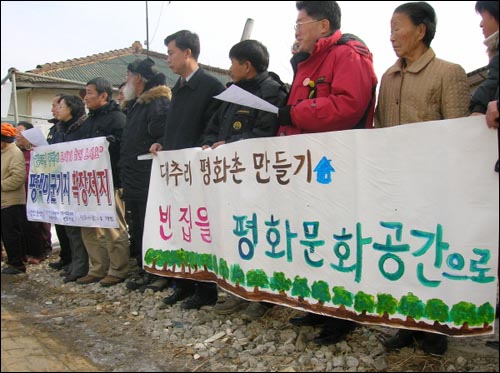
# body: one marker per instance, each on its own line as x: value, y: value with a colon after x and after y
x: 71, y: 183
x: 395, y: 226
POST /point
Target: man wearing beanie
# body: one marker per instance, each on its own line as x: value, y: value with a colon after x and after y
x: 13, y: 201
x: 147, y: 100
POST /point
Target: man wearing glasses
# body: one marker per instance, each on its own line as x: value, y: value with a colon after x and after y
x: 334, y: 85
x: 333, y: 90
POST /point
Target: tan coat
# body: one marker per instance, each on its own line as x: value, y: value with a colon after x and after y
x: 429, y: 89
x: 13, y: 176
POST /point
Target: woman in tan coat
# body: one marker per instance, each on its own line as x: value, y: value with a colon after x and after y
x: 13, y: 202
x: 419, y: 87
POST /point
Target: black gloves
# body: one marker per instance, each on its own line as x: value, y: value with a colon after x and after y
x: 284, y: 116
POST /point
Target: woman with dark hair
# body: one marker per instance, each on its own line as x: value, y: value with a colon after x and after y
x: 488, y: 10
x: 71, y: 116
x: 54, y: 137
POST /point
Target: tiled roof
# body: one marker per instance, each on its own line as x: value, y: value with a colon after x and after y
x: 111, y: 65
x: 477, y: 76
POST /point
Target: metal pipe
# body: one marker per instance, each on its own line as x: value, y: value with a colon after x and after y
x: 29, y: 116
x: 247, y: 31
x: 14, y: 91
x: 147, y: 31
x: 7, y: 77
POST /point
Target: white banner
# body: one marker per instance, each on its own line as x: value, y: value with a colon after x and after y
x: 395, y: 226
x: 71, y: 183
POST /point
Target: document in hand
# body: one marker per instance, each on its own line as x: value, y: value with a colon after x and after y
x: 35, y: 136
x: 237, y: 95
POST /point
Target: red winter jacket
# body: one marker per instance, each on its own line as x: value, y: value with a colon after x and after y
x: 344, y: 84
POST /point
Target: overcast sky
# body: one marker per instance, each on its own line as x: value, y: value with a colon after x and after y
x: 37, y: 32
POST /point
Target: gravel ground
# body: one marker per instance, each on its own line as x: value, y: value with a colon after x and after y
x: 122, y: 330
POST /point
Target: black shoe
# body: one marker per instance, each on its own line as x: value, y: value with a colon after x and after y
x: 403, y: 338
x: 156, y: 283
x: 310, y: 319
x: 199, y: 299
x: 492, y: 344
x: 9, y: 270
x: 71, y: 278
x: 334, y: 331
x: 139, y: 280
x: 57, y: 265
x: 436, y: 344
x: 178, y: 295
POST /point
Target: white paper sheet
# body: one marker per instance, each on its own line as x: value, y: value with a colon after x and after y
x: 237, y: 95
x: 35, y: 136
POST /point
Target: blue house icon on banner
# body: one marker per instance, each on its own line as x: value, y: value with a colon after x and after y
x: 324, y: 171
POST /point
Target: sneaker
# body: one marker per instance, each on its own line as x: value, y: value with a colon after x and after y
x: 255, y: 311
x: 9, y: 270
x: 89, y: 279
x: 230, y: 305
x: 110, y: 281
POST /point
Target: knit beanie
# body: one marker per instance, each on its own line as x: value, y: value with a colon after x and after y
x: 8, y: 132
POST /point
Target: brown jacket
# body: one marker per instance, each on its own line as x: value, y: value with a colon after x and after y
x: 13, y: 176
x: 429, y: 89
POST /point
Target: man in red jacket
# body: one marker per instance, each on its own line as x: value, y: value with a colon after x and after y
x: 333, y: 89
x: 334, y: 84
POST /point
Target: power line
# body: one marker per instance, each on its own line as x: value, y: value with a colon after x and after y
x: 158, y: 22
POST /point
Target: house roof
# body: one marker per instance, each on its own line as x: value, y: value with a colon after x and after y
x: 111, y: 65
x: 477, y: 76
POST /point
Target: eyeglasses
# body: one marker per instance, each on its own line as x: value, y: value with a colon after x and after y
x: 299, y: 24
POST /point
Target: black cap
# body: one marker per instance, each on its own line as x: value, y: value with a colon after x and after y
x: 146, y: 68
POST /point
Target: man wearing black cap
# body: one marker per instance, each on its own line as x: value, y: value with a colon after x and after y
x: 192, y: 107
x: 147, y: 104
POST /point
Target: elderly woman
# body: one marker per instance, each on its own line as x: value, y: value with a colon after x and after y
x: 419, y: 87
x: 13, y: 202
